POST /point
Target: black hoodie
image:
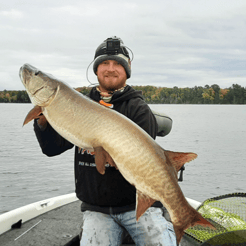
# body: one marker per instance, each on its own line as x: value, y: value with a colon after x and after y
x: 108, y: 192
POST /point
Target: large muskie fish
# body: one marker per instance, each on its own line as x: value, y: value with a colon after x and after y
x: 115, y: 140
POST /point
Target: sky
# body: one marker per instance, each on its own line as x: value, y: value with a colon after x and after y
x: 183, y: 43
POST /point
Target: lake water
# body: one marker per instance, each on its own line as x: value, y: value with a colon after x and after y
x: 217, y: 133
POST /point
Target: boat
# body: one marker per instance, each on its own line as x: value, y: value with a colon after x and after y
x: 54, y: 221
x: 57, y: 222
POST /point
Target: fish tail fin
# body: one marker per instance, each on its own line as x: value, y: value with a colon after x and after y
x: 196, y: 220
x: 199, y: 220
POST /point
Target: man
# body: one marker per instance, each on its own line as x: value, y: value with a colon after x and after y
x: 109, y: 201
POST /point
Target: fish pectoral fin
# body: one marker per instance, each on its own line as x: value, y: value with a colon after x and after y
x: 178, y: 159
x: 143, y: 203
x: 102, y: 157
x: 33, y: 114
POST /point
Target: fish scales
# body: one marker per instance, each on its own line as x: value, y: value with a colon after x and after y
x: 117, y: 140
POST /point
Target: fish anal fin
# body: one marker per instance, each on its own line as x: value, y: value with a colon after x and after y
x: 102, y: 157
x: 178, y: 159
x: 143, y: 203
x: 33, y: 114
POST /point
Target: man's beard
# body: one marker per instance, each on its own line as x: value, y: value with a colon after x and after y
x: 112, y: 86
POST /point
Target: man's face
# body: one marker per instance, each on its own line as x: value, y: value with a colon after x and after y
x: 111, y: 75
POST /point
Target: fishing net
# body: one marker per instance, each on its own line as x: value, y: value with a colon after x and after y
x: 228, y: 214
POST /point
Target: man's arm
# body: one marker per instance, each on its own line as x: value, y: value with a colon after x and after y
x: 49, y: 140
x: 142, y: 115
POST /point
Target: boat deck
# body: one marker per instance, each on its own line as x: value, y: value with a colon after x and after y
x: 54, y: 228
x: 57, y: 227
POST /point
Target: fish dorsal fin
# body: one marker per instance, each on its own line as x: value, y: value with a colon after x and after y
x: 33, y: 114
x: 102, y: 157
x: 178, y: 159
x: 143, y: 203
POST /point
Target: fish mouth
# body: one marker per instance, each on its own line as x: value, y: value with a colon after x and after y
x: 21, y: 75
x: 39, y: 100
x: 35, y: 92
x: 27, y: 70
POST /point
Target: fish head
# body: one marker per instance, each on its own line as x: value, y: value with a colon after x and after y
x: 41, y: 87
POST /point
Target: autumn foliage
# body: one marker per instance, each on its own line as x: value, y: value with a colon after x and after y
x: 213, y: 94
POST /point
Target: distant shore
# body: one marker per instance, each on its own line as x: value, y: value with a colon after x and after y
x: 213, y: 94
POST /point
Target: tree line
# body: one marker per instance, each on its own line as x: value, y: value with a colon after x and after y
x: 14, y: 97
x: 213, y: 94
x: 235, y: 94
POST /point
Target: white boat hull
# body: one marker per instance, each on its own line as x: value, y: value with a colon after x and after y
x: 33, y: 210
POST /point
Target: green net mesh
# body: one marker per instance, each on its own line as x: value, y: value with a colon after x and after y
x: 227, y: 213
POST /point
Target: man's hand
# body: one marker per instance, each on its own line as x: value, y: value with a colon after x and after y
x: 42, y: 121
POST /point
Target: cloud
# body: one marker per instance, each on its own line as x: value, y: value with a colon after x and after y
x: 87, y: 10
x: 12, y: 14
x: 175, y: 43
